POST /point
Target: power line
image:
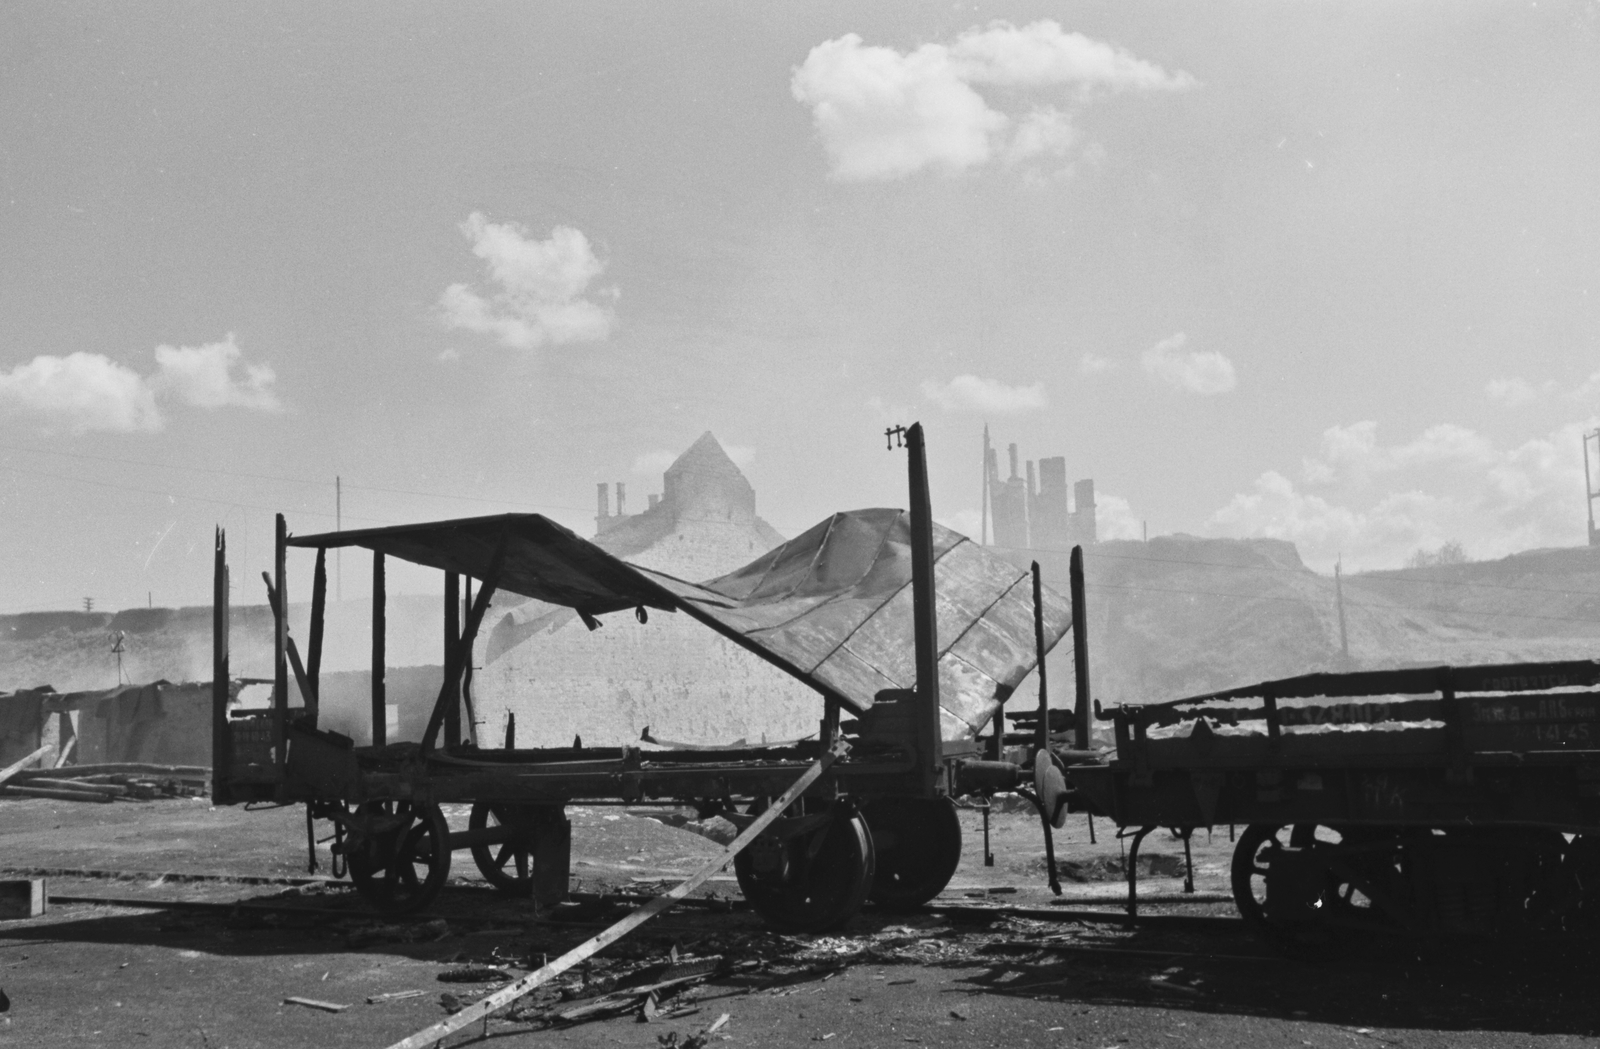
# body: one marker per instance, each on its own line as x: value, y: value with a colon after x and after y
x: 1350, y: 604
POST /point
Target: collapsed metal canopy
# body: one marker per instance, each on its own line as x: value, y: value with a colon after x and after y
x: 540, y: 559
x: 832, y: 607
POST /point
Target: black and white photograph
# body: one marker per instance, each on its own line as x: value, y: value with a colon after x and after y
x: 671, y: 525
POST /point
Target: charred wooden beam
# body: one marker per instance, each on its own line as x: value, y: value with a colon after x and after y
x: 280, y: 647
x: 1080, y: 651
x: 380, y: 707
x: 221, y: 741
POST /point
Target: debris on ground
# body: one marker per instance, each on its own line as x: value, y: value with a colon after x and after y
x: 313, y: 1003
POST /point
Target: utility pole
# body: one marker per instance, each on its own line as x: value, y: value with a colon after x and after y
x: 338, y: 526
x: 1588, y: 483
x: 983, y: 500
x: 1338, y: 594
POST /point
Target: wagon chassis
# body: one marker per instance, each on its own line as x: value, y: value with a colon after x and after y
x: 811, y: 870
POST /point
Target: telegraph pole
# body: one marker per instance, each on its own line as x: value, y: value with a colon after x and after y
x: 1338, y: 594
x: 983, y: 500
x: 338, y: 526
x: 1588, y: 483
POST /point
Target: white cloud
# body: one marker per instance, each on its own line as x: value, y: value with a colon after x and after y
x: 85, y: 392
x: 1204, y: 372
x: 1382, y: 503
x: 1114, y: 518
x: 539, y: 287
x: 1514, y: 392
x: 969, y: 393
x: 203, y: 376
x: 79, y: 393
x: 741, y: 454
x: 1588, y: 390
x: 967, y: 522
x: 449, y: 355
x: 885, y: 114
x: 1094, y: 364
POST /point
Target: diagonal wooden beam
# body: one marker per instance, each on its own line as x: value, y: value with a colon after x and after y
x: 480, y: 1010
x: 463, y: 647
x: 308, y: 690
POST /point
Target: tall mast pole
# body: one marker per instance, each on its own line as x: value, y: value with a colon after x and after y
x: 983, y: 500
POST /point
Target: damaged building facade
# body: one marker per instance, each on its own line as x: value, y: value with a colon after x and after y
x: 1031, y: 510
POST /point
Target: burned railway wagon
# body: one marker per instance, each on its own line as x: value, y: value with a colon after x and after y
x: 1438, y: 800
x: 910, y: 629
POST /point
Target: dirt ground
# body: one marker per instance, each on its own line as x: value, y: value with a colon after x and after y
x: 965, y: 973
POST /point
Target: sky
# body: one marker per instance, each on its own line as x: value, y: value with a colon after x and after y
x: 1323, y: 272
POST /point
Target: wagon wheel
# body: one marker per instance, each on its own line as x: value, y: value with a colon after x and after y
x: 507, y: 866
x: 1341, y: 898
x: 401, y: 863
x: 917, y: 847
x: 811, y: 882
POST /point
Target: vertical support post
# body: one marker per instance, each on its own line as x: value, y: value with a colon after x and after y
x: 380, y: 701
x: 1338, y: 595
x: 1042, y: 733
x: 929, y: 738
x: 319, y: 605
x: 466, y: 671
x: 221, y: 741
x: 1588, y: 486
x: 1080, y: 651
x: 452, y: 671
x: 280, y: 648
x: 983, y: 500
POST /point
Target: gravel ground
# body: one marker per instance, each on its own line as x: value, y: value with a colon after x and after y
x: 112, y: 975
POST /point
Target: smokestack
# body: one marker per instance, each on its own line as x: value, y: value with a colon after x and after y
x: 1033, y: 489
x: 1013, y: 450
x: 602, y: 512
x: 621, y: 498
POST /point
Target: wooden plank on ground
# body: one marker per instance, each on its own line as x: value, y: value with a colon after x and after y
x: 17, y: 766
x: 481, y: 1009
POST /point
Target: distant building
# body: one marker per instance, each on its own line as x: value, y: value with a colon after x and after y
x: 1033, y: 512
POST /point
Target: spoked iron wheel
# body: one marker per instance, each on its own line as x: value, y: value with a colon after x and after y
x: 1307, y: 899
x: 814, y: 881
x: 401, y: 862
x: 916, y: 846
x: 507, y: 866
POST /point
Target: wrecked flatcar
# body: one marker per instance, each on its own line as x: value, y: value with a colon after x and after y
x: 911, y: 635
x: 1435, y: 800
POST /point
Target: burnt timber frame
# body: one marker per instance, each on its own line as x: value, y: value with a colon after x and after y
x: 1500, y: 749
x: 310, y: 764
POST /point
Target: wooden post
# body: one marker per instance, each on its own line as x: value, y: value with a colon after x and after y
x: 1043, y: 731
x: 280, y: 648
x: 925, y: 625
x: 380, y: 702
x: 1080, y: 651
x: 221, y: 740
x: 461, y: 651
x: 319, y: 603
x: 452, y: 667
x: 471, y: 734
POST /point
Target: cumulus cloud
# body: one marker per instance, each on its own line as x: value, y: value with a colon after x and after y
x: 89, y: 392
x: 1114, y: 518
x: 203, y: 376
x: 1377, y: 504
x: 79, y: 393
x: 969, y: 393
x: 884, y: 114
x: 1589, y: 389
x: 1514, y: 392
x: 539, y: 287
x: 1205, y: 372
x: 1094, y: 364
